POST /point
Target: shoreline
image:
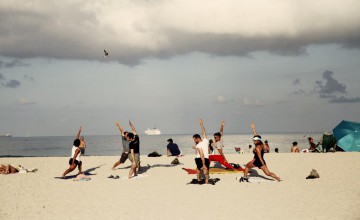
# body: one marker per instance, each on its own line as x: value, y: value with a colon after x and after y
x: 163, y: 155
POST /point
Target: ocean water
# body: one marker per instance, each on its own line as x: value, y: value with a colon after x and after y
x: 110, y: 145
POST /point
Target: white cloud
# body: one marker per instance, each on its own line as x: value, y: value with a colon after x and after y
x: 248, y: 102
x: 24, y: 101
x: 221, y: 99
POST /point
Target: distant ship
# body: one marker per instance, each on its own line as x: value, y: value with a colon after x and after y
x: 6, y: 135
x: 153, y: 131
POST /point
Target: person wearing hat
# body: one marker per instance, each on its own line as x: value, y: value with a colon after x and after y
x: 172, y: 148
x: 258, y: 160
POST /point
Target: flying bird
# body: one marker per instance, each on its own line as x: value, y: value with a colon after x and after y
x: 106, y: 54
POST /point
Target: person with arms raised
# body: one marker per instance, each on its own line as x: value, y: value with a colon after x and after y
x: 134, y: 154
x: 258, y: 160
x: 202, y: 155
x: 125, y: 143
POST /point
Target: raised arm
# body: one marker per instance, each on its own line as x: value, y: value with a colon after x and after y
x: 252, y: 126
x: 222, y: 128
x: 202, y: 128
x: 78, y: 133
x: 120, y: 128
x: 132, y: 128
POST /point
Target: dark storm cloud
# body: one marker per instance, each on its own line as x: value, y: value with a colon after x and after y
x: 29, y: 78
x: 81, y: 30
x: 343, y: 99
x: 11, y: 84
x: 8, y: 83
x: 12, y: 64
x: 330, y: 85
x: 330, y: 89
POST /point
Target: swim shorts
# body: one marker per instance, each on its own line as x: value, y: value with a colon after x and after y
x: 199, y: 163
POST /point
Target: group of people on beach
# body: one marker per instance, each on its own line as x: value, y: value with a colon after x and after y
x: 326, y: 144
x: 203, y: 158
x: 131, y: 151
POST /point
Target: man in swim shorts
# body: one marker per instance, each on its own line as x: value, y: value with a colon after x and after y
x: 125, y: 142
x: 202, y: 155
x: 134, y: 154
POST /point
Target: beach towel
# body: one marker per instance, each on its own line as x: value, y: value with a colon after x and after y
x: 211, y: 181
x: 22, y: 169
x: 82, y: 177
x: 214, y: 170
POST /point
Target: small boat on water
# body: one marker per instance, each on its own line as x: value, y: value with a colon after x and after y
x: 153, y: 131
x: 6, y: 135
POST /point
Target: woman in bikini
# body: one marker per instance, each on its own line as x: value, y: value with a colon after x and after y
x: 258, y: 160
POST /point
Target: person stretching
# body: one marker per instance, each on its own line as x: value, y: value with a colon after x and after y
x: 218, y: 154
x: 258, y: 160
x: 75, y: 160
x: 125, y: 143
x: 134, y: 155
x: 202, y: 155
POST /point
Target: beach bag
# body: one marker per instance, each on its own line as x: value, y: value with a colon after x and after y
x: 235, y: 165
x: 175, y: 161
x: 313, y: 174
x: 154, y: 154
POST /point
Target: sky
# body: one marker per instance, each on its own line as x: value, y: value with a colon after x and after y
x: 289, y: 66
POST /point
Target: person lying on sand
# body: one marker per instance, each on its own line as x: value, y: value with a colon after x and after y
x: 8, y: 169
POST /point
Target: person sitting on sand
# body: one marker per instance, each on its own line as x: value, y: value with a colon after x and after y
x: 258, y: 160
x: 8, y: 169
x: 218, y: 154
x: 251, y: 149
x: 172, y: 149
x: 202, y: 154
x: 75, y: 160
x: 312, y: 145
x: 82, y: 142
x: 125, y: 143
x: 134, y: 155
x: 294, y: 148
x: 267, y: 147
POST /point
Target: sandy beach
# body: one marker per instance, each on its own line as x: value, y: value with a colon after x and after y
x: 163, y: 193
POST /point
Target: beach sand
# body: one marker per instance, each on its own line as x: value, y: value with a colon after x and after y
x: 163, y: 192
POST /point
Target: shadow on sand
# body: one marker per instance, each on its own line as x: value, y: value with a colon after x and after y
x: 254, y: 173
x: 86, y: 172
